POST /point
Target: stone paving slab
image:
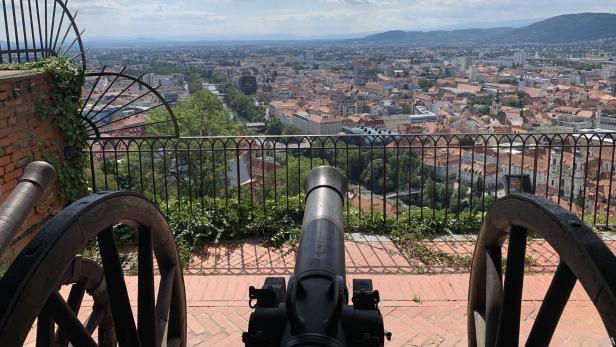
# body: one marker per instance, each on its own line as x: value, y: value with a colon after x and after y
x: 419, y: 309
x: 377, y: 256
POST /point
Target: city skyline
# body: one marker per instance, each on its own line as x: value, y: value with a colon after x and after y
x: 237, y: 19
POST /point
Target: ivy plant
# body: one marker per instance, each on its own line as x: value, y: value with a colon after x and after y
x: 67, y: 80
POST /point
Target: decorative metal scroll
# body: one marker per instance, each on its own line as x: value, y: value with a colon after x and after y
x: 34, y: 29
x: 119, y: 105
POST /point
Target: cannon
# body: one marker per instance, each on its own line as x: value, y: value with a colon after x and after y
x: 30, y: 288
x: 314, y: 310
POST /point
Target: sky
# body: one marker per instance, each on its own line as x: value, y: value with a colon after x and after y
x: 224, y: 19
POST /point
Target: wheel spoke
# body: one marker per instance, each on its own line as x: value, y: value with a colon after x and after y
x: 552, y: 307
x: 94, y: 320
x: 75, y: 298
x: 146, y: 311
x: 494, y: 291
x: 163, y: 304
x: 509, y: 320
x: 123, y: 321
x: 44, y: 329
x: 67, y: 321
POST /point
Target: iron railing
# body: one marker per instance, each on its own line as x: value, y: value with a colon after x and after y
x: 452, y: 176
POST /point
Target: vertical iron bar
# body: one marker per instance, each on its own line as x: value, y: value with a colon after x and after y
x: 275, y: 145
x: 178, y: 176
x: 421, y: 185
x: 139, y: 153
x: 40, y: 30
x: 560, y: 175
x: 46, y: 31
x: 153, y: 174
x: 371, y: 180
x: 130, y: 178
x: 263, y: 144
x: 485, y: 177
x: 32, y: 30
x: 224, y: 153
x: 510, y: 162
x: 472, y: 180
x: 25, y: 33
x: 8, y: 36
x: 346, y: 142
x: 239, y: 181
x: 384, y: 181
x: 434, y: 192
x: 498, y: 143
x: 547, y: 178
x: 252, y: 188
x: 609, y: 198
x: 53, y: 23
x: 92, y: 172
x: 286, y: 144
x: 189, y: 164
x: 594, y: 218
x: 535, y: 163
x: 201, y: 175
x: 585, y: 178
x: 573, y: 170
x: 446, y: 179
x: 459, y: 181
x: 16, y: 32
x: 55, y: 43
x: 397, y: 175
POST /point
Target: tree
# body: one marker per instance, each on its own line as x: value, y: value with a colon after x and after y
x: 478, y: 188
x: 483, y: 110
x: 580, y: 199
x: 290, y: 130
x: 425, y: 84
x: 195, y: 84
x: 203, y: 114
x: 289, y: 178
x: 273, y: 126
x: 243, y: 105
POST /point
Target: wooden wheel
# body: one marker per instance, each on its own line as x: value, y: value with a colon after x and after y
x: 30, y: 288
x: 494, y: 305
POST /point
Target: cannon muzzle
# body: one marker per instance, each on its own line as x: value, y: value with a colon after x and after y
x: 36, y: 179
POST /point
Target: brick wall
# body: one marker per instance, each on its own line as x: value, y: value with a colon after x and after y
x: 24, y: 137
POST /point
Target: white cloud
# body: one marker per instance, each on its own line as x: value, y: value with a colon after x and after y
x: 307, y: 17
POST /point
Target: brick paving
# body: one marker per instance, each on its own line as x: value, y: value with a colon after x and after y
x: 420, y: 309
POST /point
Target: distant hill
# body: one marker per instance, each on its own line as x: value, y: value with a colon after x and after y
x: 561, y: 29
x: 564, y: 29
x: 436, y: 37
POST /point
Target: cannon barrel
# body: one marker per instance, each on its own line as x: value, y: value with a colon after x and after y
x: 317, y: 291
x: 321, y: 245
x: 36, y: 179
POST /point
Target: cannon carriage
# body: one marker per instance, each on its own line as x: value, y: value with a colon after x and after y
x: 43, y: 290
